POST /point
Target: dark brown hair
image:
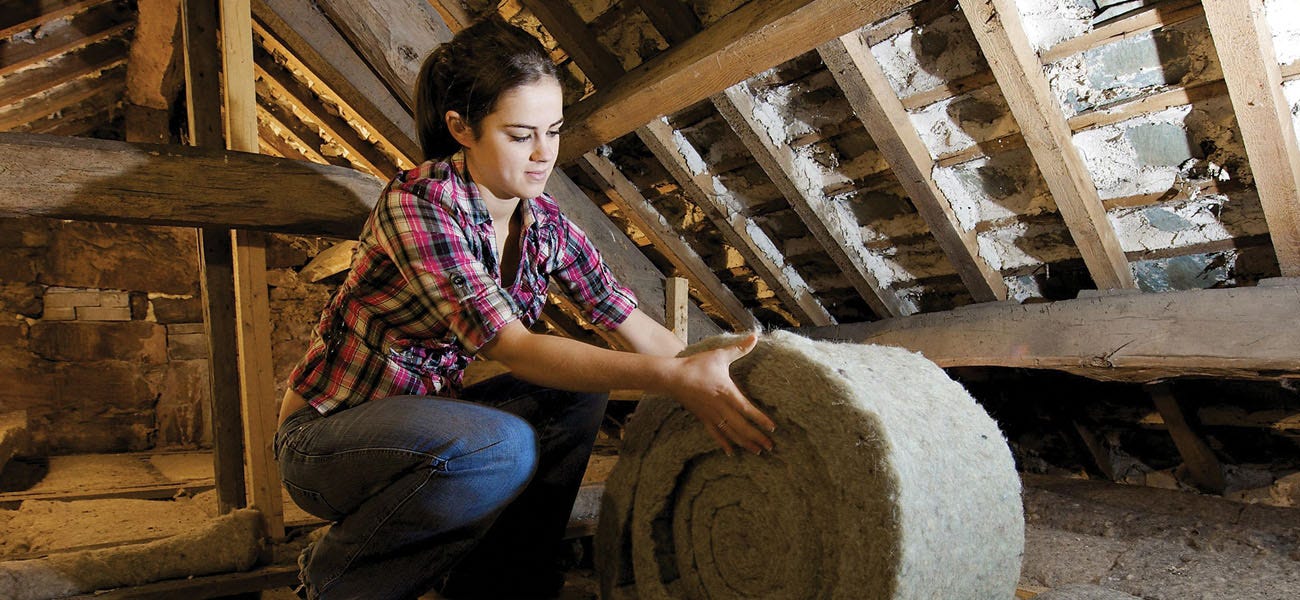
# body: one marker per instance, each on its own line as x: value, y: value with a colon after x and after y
x: 468, y: 75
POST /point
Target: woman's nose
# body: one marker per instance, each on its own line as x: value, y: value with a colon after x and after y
x: 545, y: 149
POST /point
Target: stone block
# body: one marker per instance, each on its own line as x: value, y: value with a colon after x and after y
x: 139, y: 306
x: 20, y: 297
x: 14, y: 437
x: 183, y: 402
x: 122, y: 257
x: 24, y: 233
x: 103, y: 313
x: 61, y: 297
x: 187, y: 346
x: 182, y: 328
x: 135, y: 341
x: 177, y: 310
x: 64, y: 313
x: 103, y: 406
x: 22, y: 264
x: 115, y: 299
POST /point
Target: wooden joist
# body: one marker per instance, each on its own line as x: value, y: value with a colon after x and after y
x: 22, y: 15
x: 643, y: 215
x: 65, y: 96
x: 94, y: 25
x: 63, y: 69
x: 673, y: 19
x: 1199, y: 460
x: 1250, y: 66
x: 831, y: 223
x: 687, y: 167
x: 890, y: 126
x: 998, y: 29
x: 1125, y: 337
x: 571, y: 33
x: 757, y: 36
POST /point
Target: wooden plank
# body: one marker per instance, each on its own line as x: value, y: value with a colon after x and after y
x: 563, y: 23
x: 1125, y: 337
x: 394, y: 38
x: 727, y: 214
x: 157, y: 491
x: 831, y: 223
x: 205, y: 586
x: 1116, y: 113
x: 916, y: 15
x: 949, y: 89
x: 94, y: 25
x: 171, y: 185
x: 300, y: 28
x: 333, y: 260
x: 67, y: 67
x: 998, y: 29
x: 1250, y: 66
x: 890, y: 126
x: 980, y: 150
x: 280, y: 122
x: 1198, y: 458
x: 755, y: 37
x: 64, y: 97
x: 673, y: 19
x: 1136, y: 22
x: 678, y: 293
x: 20, y: 15
x: 643, y: 215
x: 453, y: 14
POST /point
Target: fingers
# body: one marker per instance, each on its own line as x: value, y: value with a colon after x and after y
x: 739, y: 430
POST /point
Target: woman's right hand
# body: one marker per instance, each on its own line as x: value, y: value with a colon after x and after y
x: 703, y: 386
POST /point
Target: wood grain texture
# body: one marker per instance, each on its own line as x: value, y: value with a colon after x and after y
x: 1198, y: 458
x: 1126, y: 337
x: 394, y: 37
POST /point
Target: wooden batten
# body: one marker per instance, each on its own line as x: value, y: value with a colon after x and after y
x: 571, y: 33
x: 74, y: 65
x: 888, y: 123
x: 1245, y: 47
x: 279, y: 122
x: 757, y: 36
x: 95, y: 25
x: 64, y: 97
x: 1141, y: 20
x: 20, y: 16
x: 676, y: 301
x: 1123, y: 337
x: 1001, y: 36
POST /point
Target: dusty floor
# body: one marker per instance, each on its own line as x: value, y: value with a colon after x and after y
x: 1150, y: 543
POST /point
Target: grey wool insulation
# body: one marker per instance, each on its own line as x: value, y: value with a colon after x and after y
x: 887, y: 481
x: 227, y: 543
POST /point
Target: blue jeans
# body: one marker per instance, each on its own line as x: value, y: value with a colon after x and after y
x: 415, y: 485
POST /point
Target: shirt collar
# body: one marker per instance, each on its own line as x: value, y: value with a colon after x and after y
x: 472, y: 203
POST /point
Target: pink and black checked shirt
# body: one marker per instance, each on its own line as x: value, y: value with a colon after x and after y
x: 425, y: 292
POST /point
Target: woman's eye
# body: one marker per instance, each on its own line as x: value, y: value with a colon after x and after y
x: 521, y: 138
x: 555, y: 133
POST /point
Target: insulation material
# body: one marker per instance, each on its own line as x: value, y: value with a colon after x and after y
x: 994, y: 187
x: 1284, y: 21
x: 925, y: 57
x: 1181, y: 55
x: 962, y: 121
x: 228, y: 543
x: 1050, y: 22
x: 887, y: 481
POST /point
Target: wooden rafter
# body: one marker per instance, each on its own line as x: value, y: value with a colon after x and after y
x: 1198, y: 458
x: 1000, y: 33
x: 68, y: 67
x: 832, y: 224
x: 94, y: 25
x: 754, y: 37
x: 1133, y: 23
x: 394, y: 38
x: 63, y: 97
x: 453, y: 14
x: 1250, y: 66
x: 729, y: 217
x: 281, y: 124
x: 890, y: 126
x: 1125, y: 337
x: 629, y: 200
x: 673, y: 19
x: 562, y: 22
x: 20, y: 16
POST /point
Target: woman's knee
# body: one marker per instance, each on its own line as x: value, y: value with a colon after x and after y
x: 507, y: 455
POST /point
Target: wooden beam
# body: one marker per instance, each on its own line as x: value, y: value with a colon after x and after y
x: 643, y: 215
x: 394, y: 38
x: 1124, y: 337
x: 101, y: 180
x: 453, y: 14
x: 890, y: 126
x: 21, y: 15
x: 673, y: 19
x: 949, y: 89
x: 1198, y: 458
x: 1250, y: 66
x: 67, y: 67
x: 94, y: 25
x: 1122, y: 27
x: 831, y: 223
x: 916, y: 15
x: 259, y: 404
x: 282, y: 83
x: 280, y: 122
x: 563, y: 23
x: 1000, y: 33
x: 726, y: 213
x: 299, y: 28
x: 755, y: 37
x: 678, y: 292
x: 333, y: 260
x: 65, y: 96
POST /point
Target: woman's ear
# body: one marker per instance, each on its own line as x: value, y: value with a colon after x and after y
x: 460, y: 130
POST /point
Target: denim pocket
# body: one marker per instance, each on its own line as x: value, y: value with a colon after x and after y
x: 312, y: 502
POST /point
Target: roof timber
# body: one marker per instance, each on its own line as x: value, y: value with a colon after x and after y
x: 888, y: 123
x: 1000, y: 33
x: 731, y: 220
x: 1123, y: 337
x: 23, y: 15
x: 96, y: 24
x: 64, y: 68
x: 563, y: 23
x: 830, y: 222
x: 1135, y: 22
x: 624, y: 194
x: 63, y: 97
x: 1250, y: 67
x: 755, y: 37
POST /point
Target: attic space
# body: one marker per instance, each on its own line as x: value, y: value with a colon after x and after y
x: 1086, y: 212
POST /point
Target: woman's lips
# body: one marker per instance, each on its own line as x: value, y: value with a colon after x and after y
x: 537, y: 175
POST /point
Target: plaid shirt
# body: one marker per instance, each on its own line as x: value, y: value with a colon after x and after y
x: 425, y: 292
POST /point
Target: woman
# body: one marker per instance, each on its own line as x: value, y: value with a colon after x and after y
x: 418, y: 475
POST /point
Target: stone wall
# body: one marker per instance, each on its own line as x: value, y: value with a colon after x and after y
x: 101, y: 331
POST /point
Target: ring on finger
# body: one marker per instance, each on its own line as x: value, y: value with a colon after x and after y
x: 722, y: 424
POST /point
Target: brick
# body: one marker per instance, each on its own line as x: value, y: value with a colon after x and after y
x: 78, y: 341
x: 177, y: 310
x: 101, y: 313
x: 58, y: 297
x: 187, y: 346
x: 115, y: 299
x: 181, y: 328
x: 59, y: 313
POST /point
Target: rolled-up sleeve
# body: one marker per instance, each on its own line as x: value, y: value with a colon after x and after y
x: 432, y: 250
x: 587, y: 278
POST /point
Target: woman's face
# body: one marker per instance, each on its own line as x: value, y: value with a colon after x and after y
x: 517, y: 143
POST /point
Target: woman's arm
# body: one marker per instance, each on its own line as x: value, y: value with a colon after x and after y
x: 701, y: 383
x: 646, y: 336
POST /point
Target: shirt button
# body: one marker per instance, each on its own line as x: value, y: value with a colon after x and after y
x: 458, y: 279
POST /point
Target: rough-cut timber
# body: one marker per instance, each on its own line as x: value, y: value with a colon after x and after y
x: 888, y: 482
x: 1231, y: 332
x: 755, y: 37
x: 394, y: 37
